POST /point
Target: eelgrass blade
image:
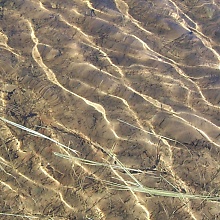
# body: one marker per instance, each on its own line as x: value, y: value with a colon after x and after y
x: 93, y: 163
x: 17, y: 215
x: 151, y: 133
x: 159, y: 192
x: 137, y: 187
x: 35, y: 133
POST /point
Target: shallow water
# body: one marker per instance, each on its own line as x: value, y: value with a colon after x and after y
x: 139, y: 80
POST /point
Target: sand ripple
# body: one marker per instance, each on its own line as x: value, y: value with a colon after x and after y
x: 125, y: 83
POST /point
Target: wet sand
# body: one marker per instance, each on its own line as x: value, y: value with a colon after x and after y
x: 125, y: 83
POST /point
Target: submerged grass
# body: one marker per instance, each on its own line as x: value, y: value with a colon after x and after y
x: 134, y: 186
x: 137, y: 186
x: 17, y: 215
x: 35, y: 133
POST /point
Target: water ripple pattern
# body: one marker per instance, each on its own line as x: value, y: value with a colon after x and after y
x: 110, y: 109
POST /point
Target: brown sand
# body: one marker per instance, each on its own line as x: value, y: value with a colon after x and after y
x: 114, y: 79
